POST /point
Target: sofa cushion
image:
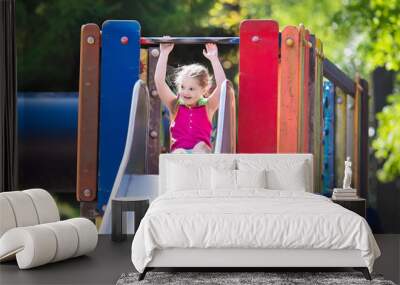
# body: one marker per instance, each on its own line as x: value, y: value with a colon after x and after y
x: 26, y: 208
x: 45, y: 206
x: 7, y: 220
x: 23, y: 208
x: 40, y: 244
x: 67, y: 240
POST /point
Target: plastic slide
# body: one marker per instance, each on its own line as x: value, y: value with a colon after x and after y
x: 131, y: 179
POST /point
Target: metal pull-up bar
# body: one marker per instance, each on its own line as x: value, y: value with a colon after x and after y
x: 190, y: 40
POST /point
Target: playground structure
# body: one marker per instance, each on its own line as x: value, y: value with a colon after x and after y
x: 284, y: 106
x: 132, y: 179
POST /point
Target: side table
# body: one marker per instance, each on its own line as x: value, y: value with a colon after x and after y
x: 138, y: 205
x: 358, y: 205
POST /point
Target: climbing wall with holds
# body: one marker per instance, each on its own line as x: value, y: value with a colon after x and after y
x: 328, y: 139
x: 258, y: 86
x: 119, y: 71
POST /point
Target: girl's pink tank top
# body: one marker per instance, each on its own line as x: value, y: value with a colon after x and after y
x: 190, y: 126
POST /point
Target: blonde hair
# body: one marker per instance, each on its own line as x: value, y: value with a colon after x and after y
x: 195, y: 70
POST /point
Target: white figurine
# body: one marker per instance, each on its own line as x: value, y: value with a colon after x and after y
x: 347, y: 174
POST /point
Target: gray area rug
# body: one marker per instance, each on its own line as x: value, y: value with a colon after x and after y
x: 228, y: 278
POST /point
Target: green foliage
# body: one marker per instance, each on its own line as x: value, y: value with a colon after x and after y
x: 377, y: 22
x: 358, y: 35
x: 387, y: 142
x: 316, y: 15
x: 67, y: 205
x: 48, y: 35
x: 48, y: 31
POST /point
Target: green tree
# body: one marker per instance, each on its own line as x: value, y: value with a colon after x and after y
x: 387, y: 142
x: 48, y: 33
x: 358, y: 35
x: 378, y: 23
x: 316, y: 15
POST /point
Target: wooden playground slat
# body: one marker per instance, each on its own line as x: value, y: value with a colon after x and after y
x: 318, y: 115
x: 356, y: 140
x: 340, y: 136
x: 350, y: 127
x: 364, y: 151
x: 300, y: 137
x: 153, y: 147
x: 328, y: 141
x: 311, y: 96
x: 288, y: 109
x: 258, y: 86
x: 306, y: 95
x: 86, y: 183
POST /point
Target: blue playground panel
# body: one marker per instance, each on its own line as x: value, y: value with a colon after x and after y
x: 120, y: 61
x: 328, y: 138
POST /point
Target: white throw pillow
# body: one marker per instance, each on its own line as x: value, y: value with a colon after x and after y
x: 294, y: 178
x: 251, y: 178
x: 188, y: 177
x: 223, y: 179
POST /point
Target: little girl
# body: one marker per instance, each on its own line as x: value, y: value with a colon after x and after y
x: 191, y: 111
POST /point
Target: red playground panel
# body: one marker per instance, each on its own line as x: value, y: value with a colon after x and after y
x: 258, y: 86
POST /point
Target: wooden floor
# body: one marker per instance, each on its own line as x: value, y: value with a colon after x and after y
x: 111, y: 259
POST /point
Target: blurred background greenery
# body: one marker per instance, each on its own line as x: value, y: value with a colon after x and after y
x: 358, y: 35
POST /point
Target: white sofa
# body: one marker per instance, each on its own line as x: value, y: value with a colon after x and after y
x: 31, y: 231
x: 200, y: 193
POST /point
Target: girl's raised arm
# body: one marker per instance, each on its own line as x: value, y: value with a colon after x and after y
x: 219, y: 73
x: 166, y: 95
